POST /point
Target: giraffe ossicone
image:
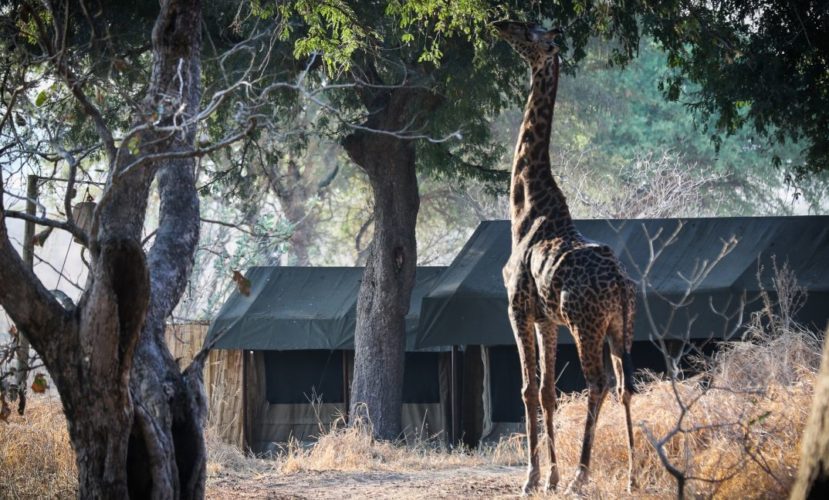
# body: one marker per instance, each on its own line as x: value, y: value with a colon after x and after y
x: 555, y: 276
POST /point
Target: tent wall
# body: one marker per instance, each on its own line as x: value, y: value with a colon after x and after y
x: 269, y: 424
x: 222, y: 379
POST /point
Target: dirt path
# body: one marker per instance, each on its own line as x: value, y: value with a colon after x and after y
x: 464, y: 482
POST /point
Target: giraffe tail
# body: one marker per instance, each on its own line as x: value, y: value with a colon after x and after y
x: 627, y: 359
x: 627, y: 367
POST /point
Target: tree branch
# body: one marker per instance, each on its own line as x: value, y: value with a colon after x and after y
x: 74, y: 230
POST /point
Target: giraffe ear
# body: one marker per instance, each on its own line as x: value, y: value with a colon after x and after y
x: 553, y: 34
x: 534, y: 32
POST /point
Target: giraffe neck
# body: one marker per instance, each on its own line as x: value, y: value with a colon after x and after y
x: 533, y: 191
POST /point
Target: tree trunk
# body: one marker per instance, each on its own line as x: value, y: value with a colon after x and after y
x: 385, y: 291
x: 134, y: 421
x: 167, y: 454
x: 813, y: 474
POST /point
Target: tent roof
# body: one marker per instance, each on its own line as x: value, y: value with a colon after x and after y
x: 302, y: 308
x: 469, y: 303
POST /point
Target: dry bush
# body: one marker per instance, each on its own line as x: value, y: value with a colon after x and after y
x: 352, y: 448
x: 735, y: 428
x: 223, y: 458
x: 654, y: 185
x: 36, y: 457
x: 740, y: 444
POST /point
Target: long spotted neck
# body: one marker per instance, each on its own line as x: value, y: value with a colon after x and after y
x: 533, y: 191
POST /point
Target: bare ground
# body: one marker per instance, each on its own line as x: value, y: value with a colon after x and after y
x: 479, y: 482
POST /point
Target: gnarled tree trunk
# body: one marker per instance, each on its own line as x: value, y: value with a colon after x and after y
x: 135, y: 421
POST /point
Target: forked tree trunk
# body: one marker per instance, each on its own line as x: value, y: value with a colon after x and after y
x: 385, y: 291
x: 135, y: 422
x: 167, y: 455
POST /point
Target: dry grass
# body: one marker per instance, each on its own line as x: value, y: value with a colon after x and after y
x: 36, y: 459
x: 739, y: 439
x: 741, y: 436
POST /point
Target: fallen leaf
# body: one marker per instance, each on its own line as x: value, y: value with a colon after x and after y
x: 40, y: 384
x: 242, y: 283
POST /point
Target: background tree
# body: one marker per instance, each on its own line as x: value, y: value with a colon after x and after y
x: 757, y: 64
x: 397, y: 108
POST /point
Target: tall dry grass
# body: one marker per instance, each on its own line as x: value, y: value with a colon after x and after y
x: 740, y: 437
x: 36, y: 458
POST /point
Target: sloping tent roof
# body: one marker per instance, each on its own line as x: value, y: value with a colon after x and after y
x: 291, y: 308
x: 468, y: 305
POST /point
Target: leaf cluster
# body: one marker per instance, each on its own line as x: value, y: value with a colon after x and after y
x: 757, y: 64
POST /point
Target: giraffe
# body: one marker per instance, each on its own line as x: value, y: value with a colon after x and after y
x: 555, y: 276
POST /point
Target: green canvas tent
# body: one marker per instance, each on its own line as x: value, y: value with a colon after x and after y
x: 296, y: 331
x: 468, y: 305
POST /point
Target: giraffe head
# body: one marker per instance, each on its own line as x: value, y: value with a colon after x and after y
x: 535, y: 44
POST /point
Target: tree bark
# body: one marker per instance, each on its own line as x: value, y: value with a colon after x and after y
x: 813, y: 474
x: 135, y: 422
x: 167, y: 454
x: 385, y: 291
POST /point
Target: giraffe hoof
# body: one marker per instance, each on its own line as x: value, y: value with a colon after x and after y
x: 528, y: 489
x: 574, y: 491
x: 576, y: 486
x: 552, y: 481
x: 530, y: 486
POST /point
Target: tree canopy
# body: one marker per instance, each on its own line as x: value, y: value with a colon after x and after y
x: 757, y: 64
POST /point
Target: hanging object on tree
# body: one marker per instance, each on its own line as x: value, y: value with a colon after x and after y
x: 83, y: 213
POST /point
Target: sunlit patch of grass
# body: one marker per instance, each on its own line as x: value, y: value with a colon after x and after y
x: 36, y: 457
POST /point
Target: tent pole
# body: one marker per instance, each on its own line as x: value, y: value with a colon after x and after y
x: 245, y: 441
x: 454, y: 395
x: 21, y: 375
x: 346, y: 386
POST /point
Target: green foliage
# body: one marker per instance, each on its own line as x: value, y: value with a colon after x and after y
x: 610, y: 116
x: 330, y: 27
x: 433, y: 21
x: 756, y: 64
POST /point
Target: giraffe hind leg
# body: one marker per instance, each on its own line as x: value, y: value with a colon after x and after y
x: 623, y: 368
x: 590, y: 346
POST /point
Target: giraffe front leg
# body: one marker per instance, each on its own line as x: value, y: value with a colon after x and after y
x: 548, y: 336
x: 525, y: 340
